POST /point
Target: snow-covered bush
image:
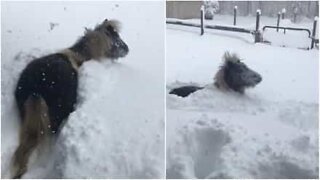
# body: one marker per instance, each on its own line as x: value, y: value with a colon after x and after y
x: 210, y: 8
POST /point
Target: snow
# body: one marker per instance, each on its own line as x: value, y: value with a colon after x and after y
x: 259, y: 11
x: 202, y: 8
x: 117, y: 130
x: 270, y: 132
x: 284, y: 10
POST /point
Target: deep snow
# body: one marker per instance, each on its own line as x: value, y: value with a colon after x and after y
x: 270, y: 132
x: 117, y: 130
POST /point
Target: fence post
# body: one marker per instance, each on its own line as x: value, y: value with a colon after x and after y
x: 295, y: 12
x: 201, y: 19
x: 235, y: 15
x: 313, y: 36
x: 257, y: 37
x: 278, y: 21
x: 283, y: 12
x: 258, y: 19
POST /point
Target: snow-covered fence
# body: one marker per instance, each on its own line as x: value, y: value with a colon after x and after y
x: 283, y: 12
x: 258, y: 19
x: 295, y: 14
x: 313, y: 37
x: 176, y: 22
x: 201, y: 20
x: 257, y: 34
x: 235, y: 15
x: 236, y: 29
x: 287, y: 28
x: 314, y: 40
x: 278, y: 21
x: 216, y: 27
x: 230, y: 28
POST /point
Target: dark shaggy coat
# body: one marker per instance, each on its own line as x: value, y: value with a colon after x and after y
x: 185, y: 91
x: 54, y: 79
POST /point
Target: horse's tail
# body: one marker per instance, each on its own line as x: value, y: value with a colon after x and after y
x: 34, y: 129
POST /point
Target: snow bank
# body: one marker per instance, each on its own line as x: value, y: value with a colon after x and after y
x: 117, y: 130
x: 271, y: 132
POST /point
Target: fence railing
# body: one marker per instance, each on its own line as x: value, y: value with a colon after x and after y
x: 257, y: 34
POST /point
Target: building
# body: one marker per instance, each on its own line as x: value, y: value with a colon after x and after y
x: 191, y: 9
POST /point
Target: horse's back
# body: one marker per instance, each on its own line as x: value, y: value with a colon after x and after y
x: 185, y: 91
x: 53, y: 78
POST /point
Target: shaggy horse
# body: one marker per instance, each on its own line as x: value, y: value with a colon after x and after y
x: 232, y: 75
x: 46, y: 92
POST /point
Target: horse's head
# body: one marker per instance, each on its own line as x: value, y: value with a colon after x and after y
x: 116, y: 47
x: 237, y: 75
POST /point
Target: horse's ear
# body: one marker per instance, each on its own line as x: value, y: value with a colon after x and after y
x: 86, y: 29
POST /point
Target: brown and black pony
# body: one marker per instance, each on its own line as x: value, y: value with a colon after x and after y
x: 233, y: 75
x: 46, y: 92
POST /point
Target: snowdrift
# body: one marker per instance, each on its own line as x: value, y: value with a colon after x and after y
x: 270, y: 132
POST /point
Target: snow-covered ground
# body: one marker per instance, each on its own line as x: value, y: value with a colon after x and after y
x: 270, y: 132
x: 117, y: 130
